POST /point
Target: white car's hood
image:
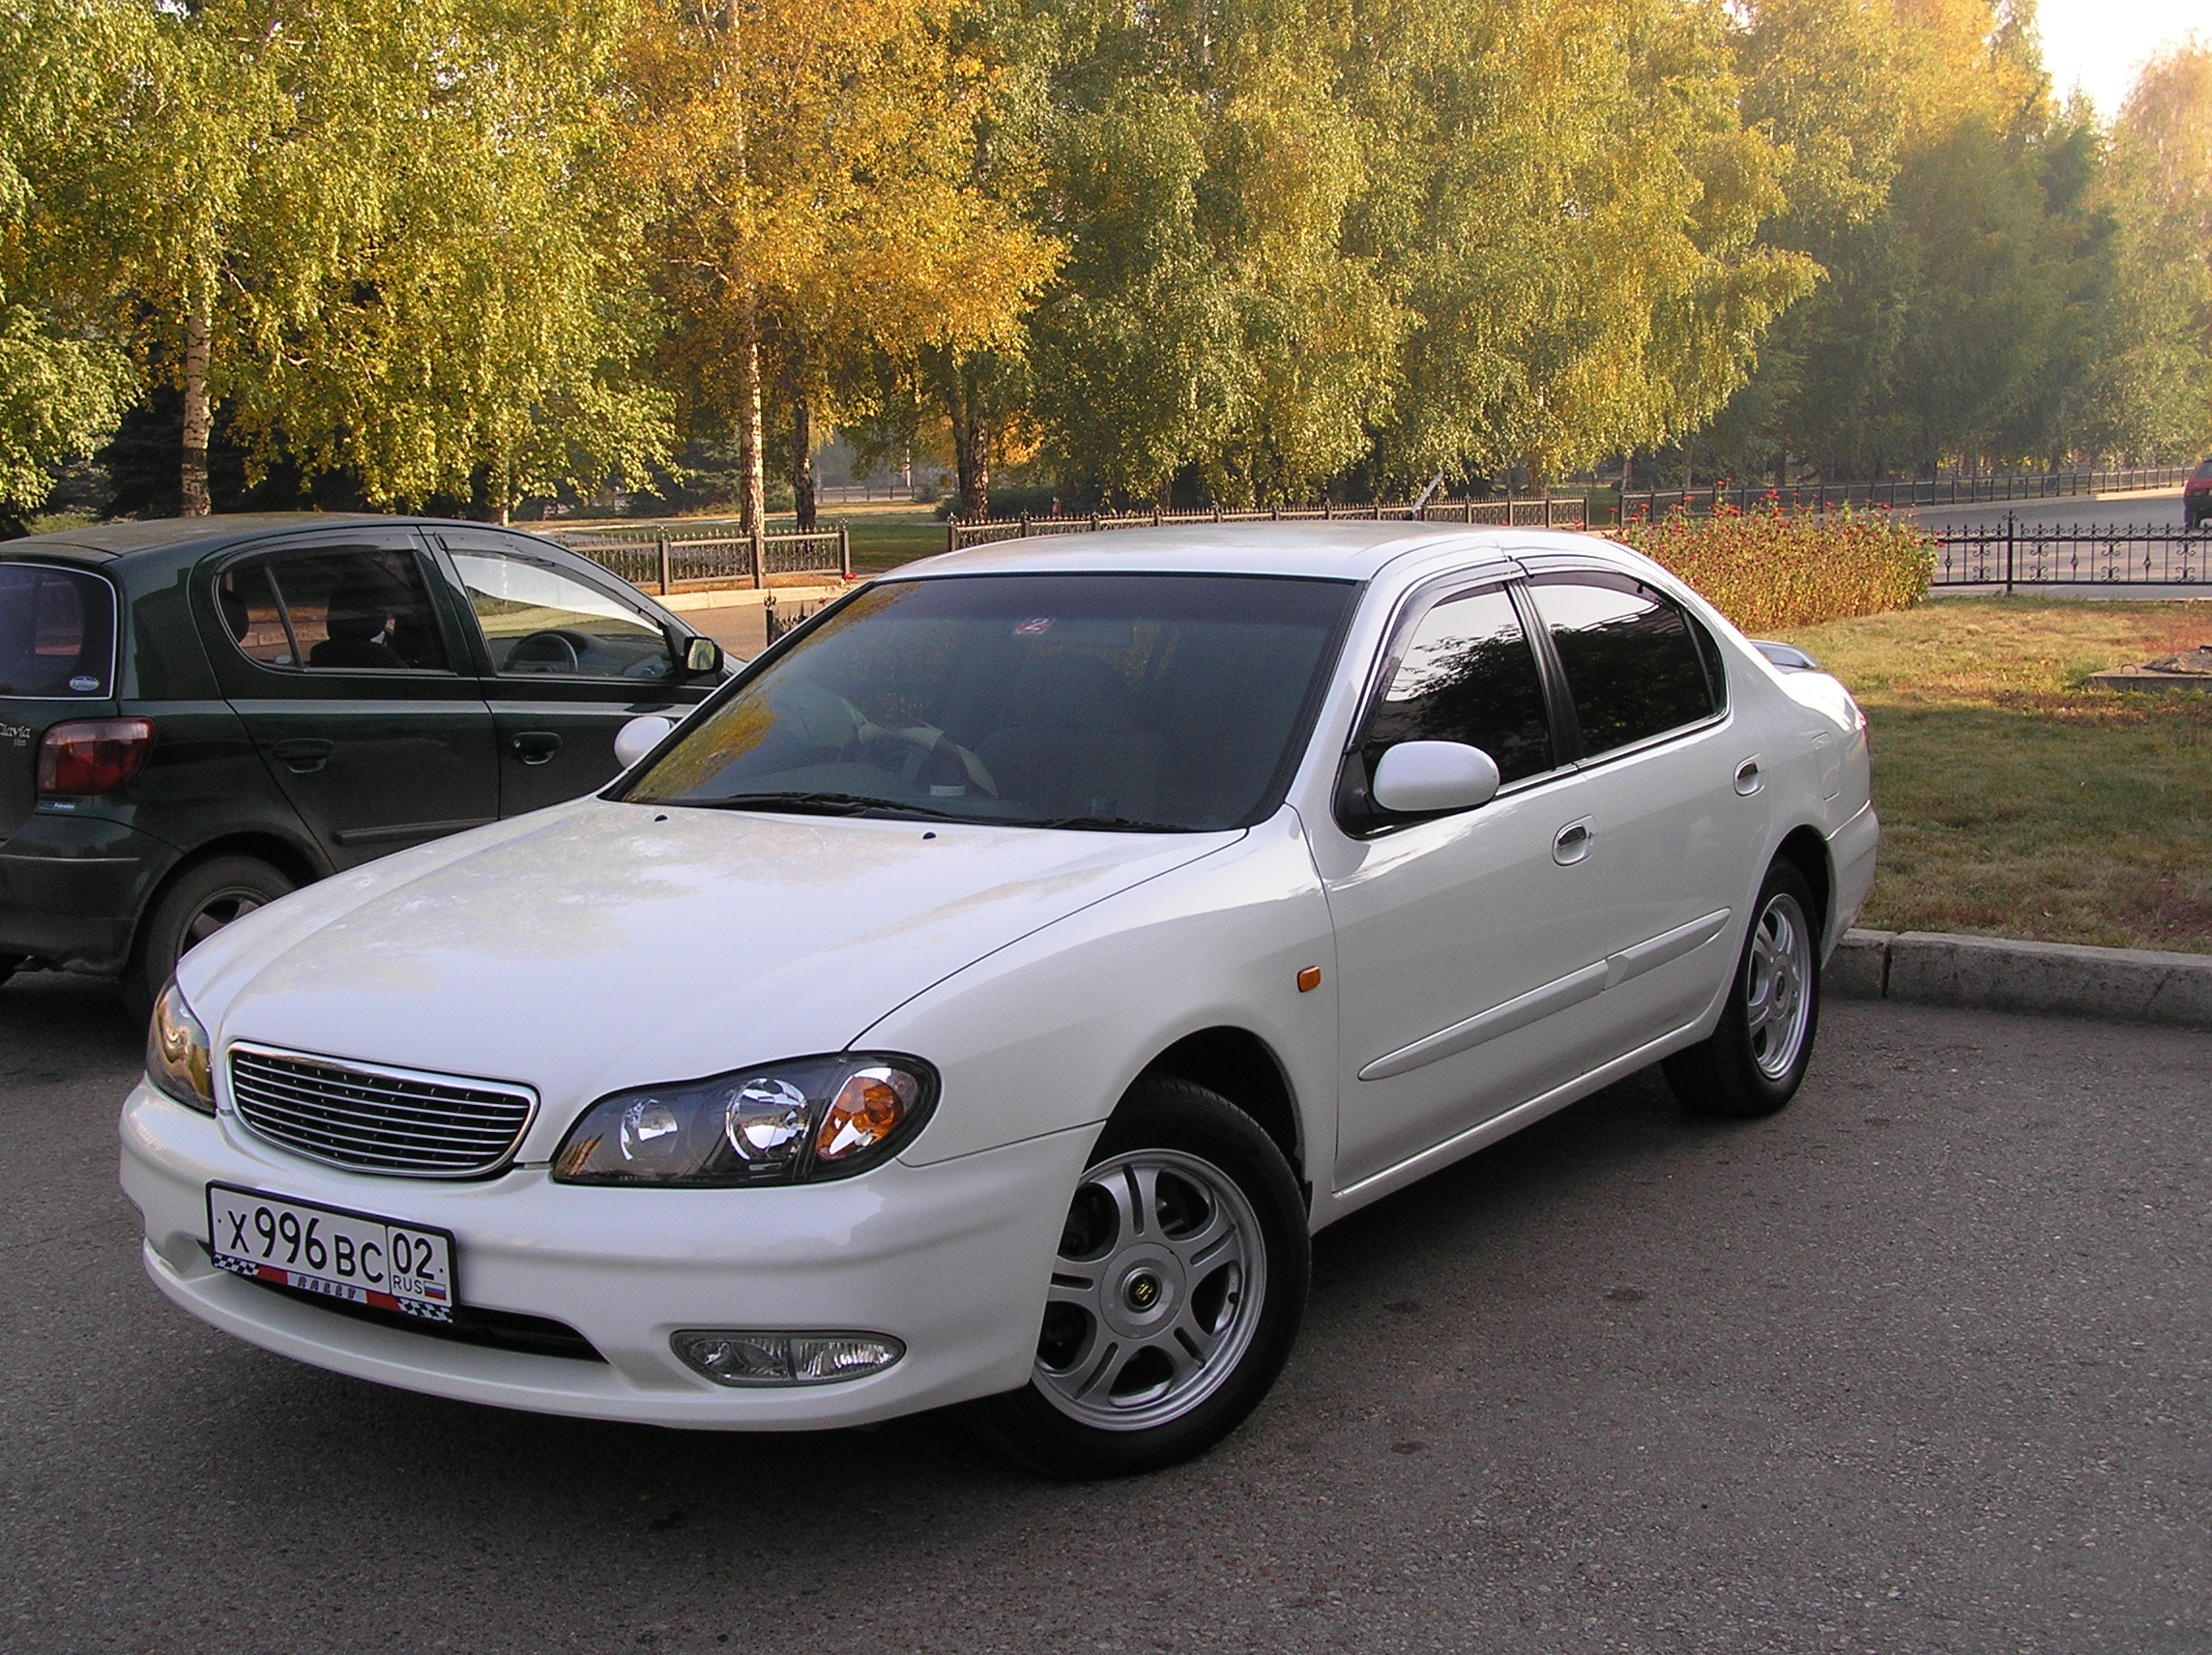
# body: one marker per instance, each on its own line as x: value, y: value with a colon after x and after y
x: 597, y: 945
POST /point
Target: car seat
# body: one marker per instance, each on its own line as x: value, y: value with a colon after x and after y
x: 1072, y: 746
x: 356, y: 617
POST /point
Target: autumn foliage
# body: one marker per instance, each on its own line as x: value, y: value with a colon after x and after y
x: 1767, y: 568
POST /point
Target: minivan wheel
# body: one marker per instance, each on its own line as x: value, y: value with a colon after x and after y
x: 1754, y: 1061
x: 198, y: 902
x: 1177, y: 1291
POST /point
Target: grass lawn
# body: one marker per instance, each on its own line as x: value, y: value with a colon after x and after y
x: 2015, y: 800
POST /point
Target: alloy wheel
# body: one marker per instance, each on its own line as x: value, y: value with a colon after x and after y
x: 1155, y: 1294
x: 1777, y: 1008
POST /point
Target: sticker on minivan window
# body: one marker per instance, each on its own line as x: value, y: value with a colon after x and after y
x: 82, y: 684
x: 1035, y: 624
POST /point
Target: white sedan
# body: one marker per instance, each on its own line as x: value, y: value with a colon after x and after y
x: 984, y: 996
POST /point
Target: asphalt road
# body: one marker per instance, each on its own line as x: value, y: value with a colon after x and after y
x: 1921, y: 1365
x: 2160, y: 511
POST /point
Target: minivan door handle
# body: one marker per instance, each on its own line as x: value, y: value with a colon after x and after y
x: 536, y: 746
x: 304, y: 755
x: 1572, y: 843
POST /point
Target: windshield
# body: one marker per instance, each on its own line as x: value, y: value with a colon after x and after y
x: 1131, y: 701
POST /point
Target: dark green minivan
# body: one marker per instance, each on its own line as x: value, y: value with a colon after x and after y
x: 199, y: 715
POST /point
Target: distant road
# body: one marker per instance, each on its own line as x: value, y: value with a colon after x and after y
x: 2149, y: 510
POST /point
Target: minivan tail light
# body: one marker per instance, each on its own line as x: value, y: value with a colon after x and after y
x: 92, y: 755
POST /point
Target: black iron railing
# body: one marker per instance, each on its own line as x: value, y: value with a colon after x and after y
x: 2016, y: 554
x: 667, y: 560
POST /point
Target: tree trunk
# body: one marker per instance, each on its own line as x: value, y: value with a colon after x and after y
x: 198, y: 323
x: 969, y: 409
x: 752, y: 506
x: 802, y: 461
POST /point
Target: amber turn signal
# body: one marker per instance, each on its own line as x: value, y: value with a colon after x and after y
x: 1309, y: 980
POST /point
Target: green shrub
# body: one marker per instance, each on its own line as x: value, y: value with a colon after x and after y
x: 1768, y: 569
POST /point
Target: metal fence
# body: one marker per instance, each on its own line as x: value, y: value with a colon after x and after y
x: 1903, y: 493
x: 1548, y: 512
x: 672, y: 560
x: 2025, y: 555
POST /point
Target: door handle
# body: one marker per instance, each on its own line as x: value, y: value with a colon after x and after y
x: 1747, y: 777
x: 304, y: 755
x: 1572, y: 843
x: 536, y: 746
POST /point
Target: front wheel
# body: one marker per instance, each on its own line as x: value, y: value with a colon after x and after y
x: 1177, y: 1291
x: 1756, y: 1059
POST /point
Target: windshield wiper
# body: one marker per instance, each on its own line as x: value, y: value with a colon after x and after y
x: 820, y: 804
x: 1103, y: 824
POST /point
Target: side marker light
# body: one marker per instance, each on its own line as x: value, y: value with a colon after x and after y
x: 1309, y: 980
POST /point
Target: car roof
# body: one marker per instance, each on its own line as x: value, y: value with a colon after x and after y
x: 103, y: 542
x: 1339, y: 549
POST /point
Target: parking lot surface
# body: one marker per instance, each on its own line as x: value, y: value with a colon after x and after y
x: 1921, y: 1364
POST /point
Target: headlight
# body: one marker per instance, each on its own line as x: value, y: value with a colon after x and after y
x: 796, y: 1121
x: 177, y: 1058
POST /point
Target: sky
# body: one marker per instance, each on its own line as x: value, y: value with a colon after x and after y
x: 2099, y: 44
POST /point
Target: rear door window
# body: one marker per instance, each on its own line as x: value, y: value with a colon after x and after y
x: 333, y: 609
x: 1636, y: 663
x: 1468, y: 674
x: 57, y: 633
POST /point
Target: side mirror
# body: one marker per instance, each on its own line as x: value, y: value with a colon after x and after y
x: 702, y: 655
x: 639, y: 737
x: 1417, y: 777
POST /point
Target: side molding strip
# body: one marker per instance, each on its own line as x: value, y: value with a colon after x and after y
x: 1516, y: 1013
x: 1538, y: 1003
x: 1665, y: 946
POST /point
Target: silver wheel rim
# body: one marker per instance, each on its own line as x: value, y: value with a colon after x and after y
x: 214, y: 915
x: 1777, y: 1004
x: 1156, y: 1291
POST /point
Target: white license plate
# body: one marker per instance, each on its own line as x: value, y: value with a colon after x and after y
x: 323, y: 1250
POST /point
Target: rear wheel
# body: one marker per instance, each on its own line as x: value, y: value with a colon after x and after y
x: 1176, y: 1292
x: 1754, y: 1061
x: 197, y: 904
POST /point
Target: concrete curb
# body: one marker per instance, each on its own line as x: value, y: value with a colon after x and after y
x: 1995, y: 973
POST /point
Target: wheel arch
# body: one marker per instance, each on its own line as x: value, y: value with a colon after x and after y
x: 1241, y: 1067
x: 294, y: 861
x: 1806, y: 849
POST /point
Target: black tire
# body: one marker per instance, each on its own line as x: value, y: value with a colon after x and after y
x: 198, y: 902
x: 1743, y: 1068
x: 1181, y: 1135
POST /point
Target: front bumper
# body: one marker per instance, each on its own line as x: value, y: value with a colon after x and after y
x: 952, y: 1259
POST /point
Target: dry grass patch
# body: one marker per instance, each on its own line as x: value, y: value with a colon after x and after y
x: 2017, y: 801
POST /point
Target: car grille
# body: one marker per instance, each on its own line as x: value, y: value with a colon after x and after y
x: 374, y: 1119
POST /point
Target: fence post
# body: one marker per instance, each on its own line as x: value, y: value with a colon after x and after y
x: 760, y: 560
x: 2009, y: 519
x: 1025, y: 525
x: 844, y: 552
x: 1547, y: 508
x: 660, y: 544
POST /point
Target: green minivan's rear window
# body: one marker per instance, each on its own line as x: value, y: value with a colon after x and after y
x: 57, y: 633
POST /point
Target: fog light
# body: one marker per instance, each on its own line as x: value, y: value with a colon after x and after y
x: 735, y: 1357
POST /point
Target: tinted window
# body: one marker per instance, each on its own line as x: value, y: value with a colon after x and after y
x: 536, y: 620
x: 1633, y: 664
x: 1466, y: 674
x: 1143, y: 700
x: 57, y: 632
x: 333, y: 609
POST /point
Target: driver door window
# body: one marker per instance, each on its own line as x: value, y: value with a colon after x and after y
x: 540, y: 622
x: 571, y: 663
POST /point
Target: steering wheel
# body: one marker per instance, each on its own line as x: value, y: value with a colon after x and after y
x: 551, y: 648
x: 929, y: 745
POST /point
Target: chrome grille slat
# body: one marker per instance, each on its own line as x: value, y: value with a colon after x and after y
x: 279, y: 1101
x: 367, y: 1118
